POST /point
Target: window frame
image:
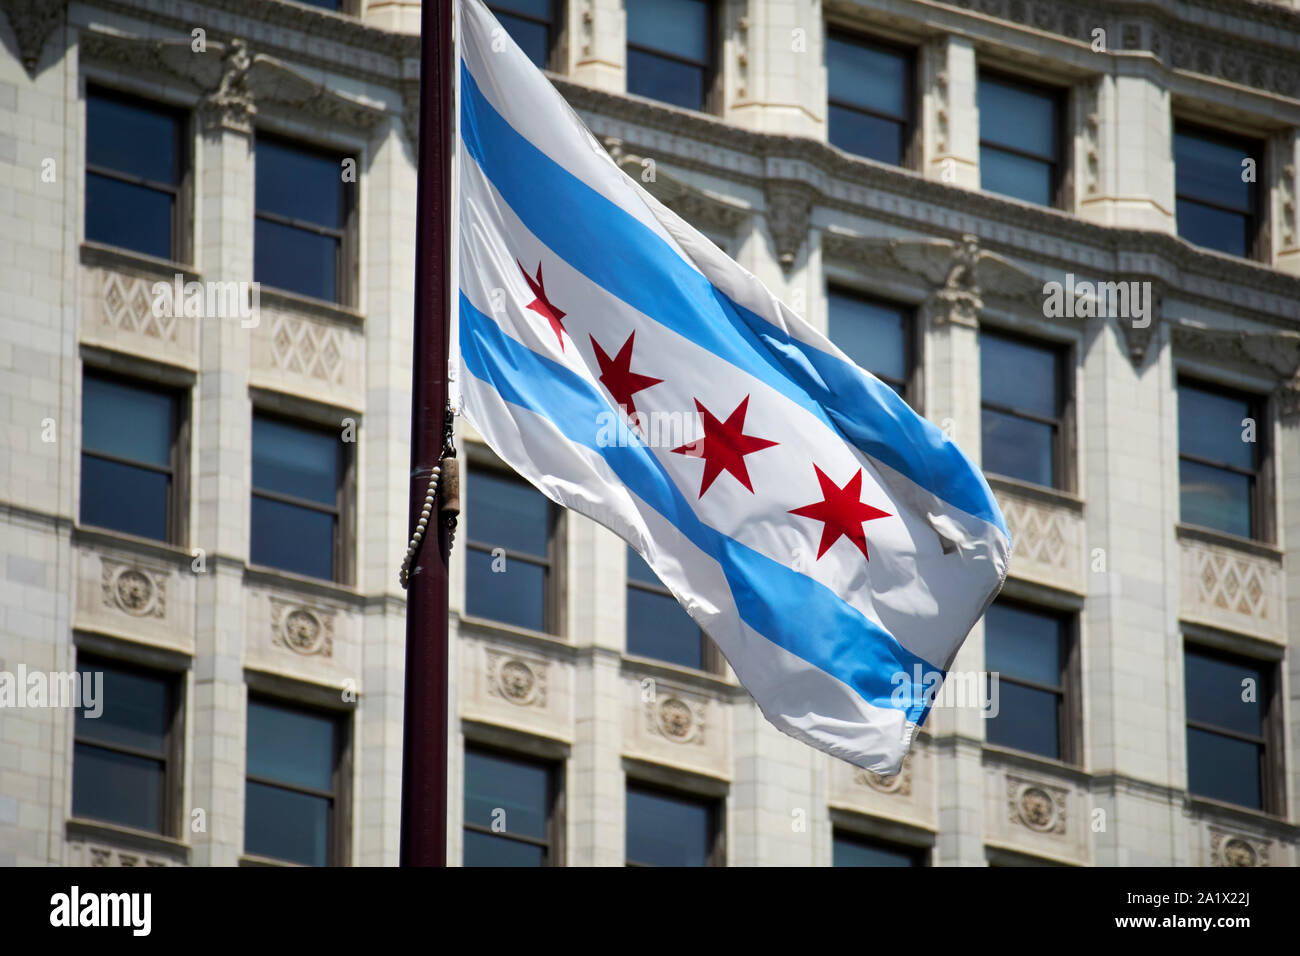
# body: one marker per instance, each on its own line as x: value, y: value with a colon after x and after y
x: 347, y: 261
x: 1061, y: 165
x: 338, y: 849
x: 173, y: 760
x: 913, y: 337
x: 553, y: 587
x: 344, y: 548
x: 553, y: 846
x: 1064, y: 438
x: 182, y: 219
x: 1263, y: 520
x: 716, y: 855
x: 178, y: 492
x: 1257, y: 245
x: 910, y: 125
x: 1272, y: 762
x: 1069, y: 691
x: 712, y: 81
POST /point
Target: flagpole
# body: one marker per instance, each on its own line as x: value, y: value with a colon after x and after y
x: 424, y: 736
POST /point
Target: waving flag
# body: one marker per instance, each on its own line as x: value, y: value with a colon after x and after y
x: 835, y: 546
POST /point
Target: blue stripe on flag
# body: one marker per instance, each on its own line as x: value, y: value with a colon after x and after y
x: 634, y: 264
x: 793, y: 611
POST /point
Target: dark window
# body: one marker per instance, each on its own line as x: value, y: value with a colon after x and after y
x: 136, y: 168
x: 658, y: 627
x: 1029, y: 650
x: 530, y: 23
x: 849, y: 849
x: 1020, y: 140
x: 125, y: 768
x: 670, y: 829
x: 303, y: 235
x: 670, y: 53
x: 1214, y: 207
x: 300, y: 499
x: 130, y: 457
x: 293, y: 785
x: 1218, y: 471
x: 1022, y: 410
x: 869, y: 92
x: 510, y: 531
x: 511, y: 816
x: 1230, y: 724
x: 337, y: 6
x: 875, y: 335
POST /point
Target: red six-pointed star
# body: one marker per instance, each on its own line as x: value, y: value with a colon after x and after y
x: 616, y: 375
x: 724, y: 446
x: 843, y: 512
x: 541, y: 304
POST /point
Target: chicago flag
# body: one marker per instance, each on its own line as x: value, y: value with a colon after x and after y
x: 833, y: 544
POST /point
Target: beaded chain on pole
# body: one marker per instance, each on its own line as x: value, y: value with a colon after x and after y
x: 448, y: 469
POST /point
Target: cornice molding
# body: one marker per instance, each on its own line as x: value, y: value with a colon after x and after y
x: 1132, y: 253
x: 1205, y: 44
x: 275, y: 25
x: 231, y: 80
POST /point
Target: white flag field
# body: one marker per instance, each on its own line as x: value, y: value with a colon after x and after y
x: 835, y: 545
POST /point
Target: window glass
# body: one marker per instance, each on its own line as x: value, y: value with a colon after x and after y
x: 866, y: 76
x: 119, y: 771
x: 851, y: 851
x: 1213, y: 205
x: 301, y: 211
x: 1022, y: 380
x: 503, y: 512
x: 290, y: 746
x: 872, y: 334
x: 665, y: 830
x: 676, y: 27
x: 1217, y: 470
x: 122, y: 421
x: 1017, y: 118
x: 126, y: 421
x: 301, y: 463
x: 1023, y: 645
x: 290, y: 751
x: 507, y: 810
x: 293, y: 460
x: 127, y: 142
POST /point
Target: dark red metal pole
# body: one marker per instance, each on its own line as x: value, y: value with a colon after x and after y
x: 424, y: 738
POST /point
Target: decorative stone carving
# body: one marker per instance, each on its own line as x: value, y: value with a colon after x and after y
x: 1137, y: 338
x: 230, y: 105
x: 128, y: 306
x: 305, y: 347
x: 1089, y: 109
x: 789, y: 211
x: 1232, y: 849
x: 1047, y: 537
x: 1274, y: 352
x: 518, y: 680
x: 307, y: 631
x: 899, y: 784
x: 1037, y: 806
x: 676, y: 719
x: 92, y: 854
x: 962, y: 272
x: 1230, y: 588
x: 134, y: 590
x: 32, y: 22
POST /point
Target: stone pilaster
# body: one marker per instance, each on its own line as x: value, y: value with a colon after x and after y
x: 1133, y: 183
x: 595, y: 51
x: 773, y: 66
x: 222, y: 468
x: 949, y: 112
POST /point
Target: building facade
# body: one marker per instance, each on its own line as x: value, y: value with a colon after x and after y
x: 1064, y: 231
